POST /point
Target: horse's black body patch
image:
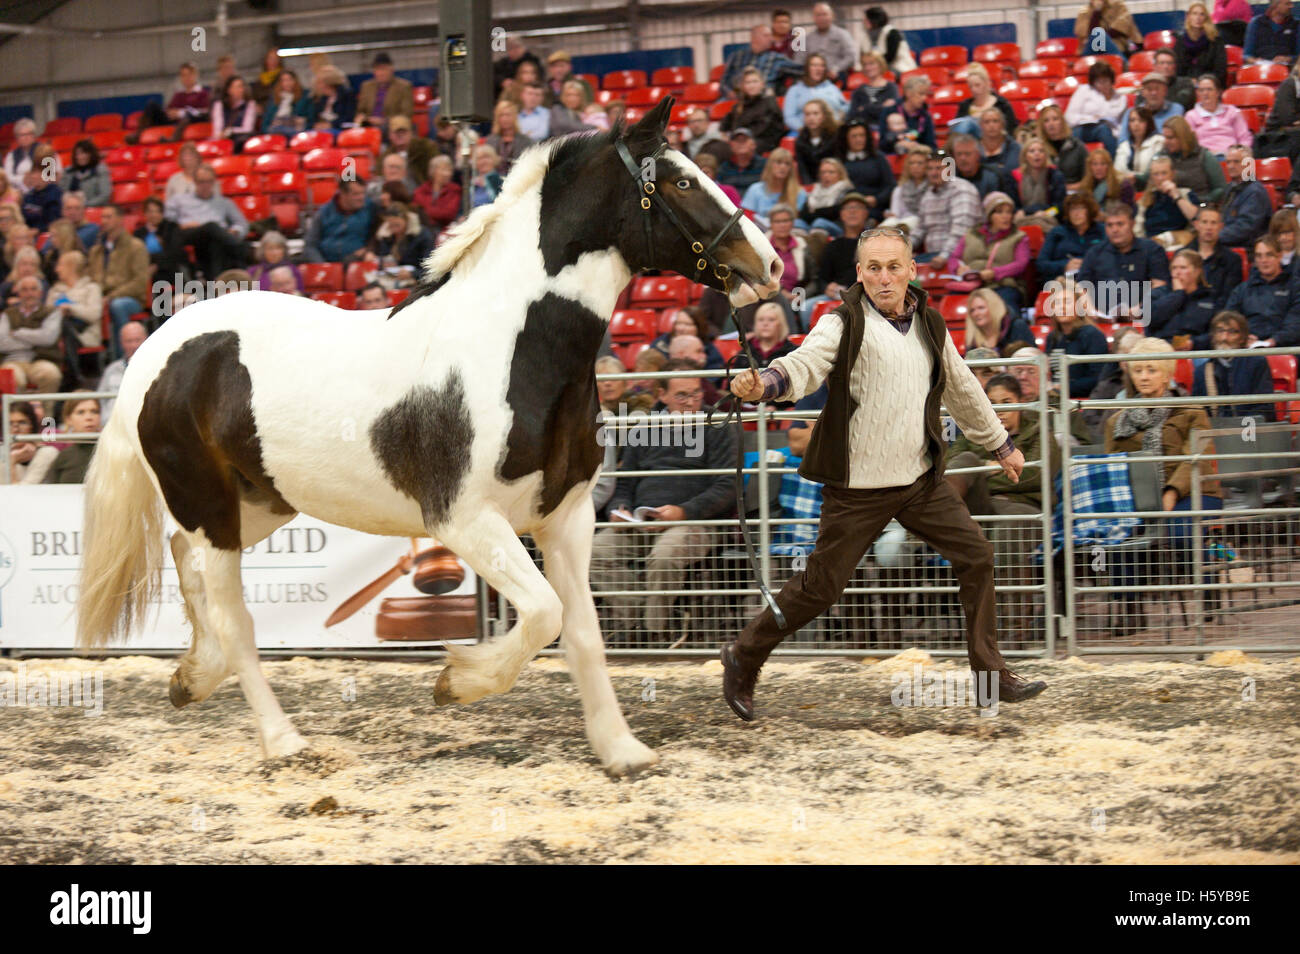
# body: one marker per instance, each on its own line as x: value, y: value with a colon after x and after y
x: 198, y: 433
x: 423, y: 443
x: 552, y: 393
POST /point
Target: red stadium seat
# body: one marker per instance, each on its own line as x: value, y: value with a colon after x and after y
x: 271, y: 162
x: 1129, y: 81
x: 1026, y: 89
x: 727, y: 347
x: 1249, y: 95
x: 280, y: 184
x: 716, y: 72
x: 1276, y: 169
x: 312, y: 140
x: 240, y: 185
x: 161, y: 151
x: 820, y: 309
x: 1142, y: 62
x: 1043, y: 69
x: 1268, y: 74
x: 231, y: 165
x: 196, y: 131
x: 322, y: 276
x: 160, y: 172
x: 65, y: 141
x: 102, y: 122
x: 644, y: 95
x: 633, y: 114
x: 127, y: 173
x: 943, y: 114
x: 324, y: 161
x: 268, y: 143
x: 720, y: 109
x: 125, y: 156
x: 133, y: 119
x: 131, y: 195
x: 359, y: 275
x: 636, y: 324
x: 254, y: 207
x: 1057, y: 47
x: 953, y: 309
x: 108, y: 138
x: 63, y: 126
x: 938, y: 75
x: 623, y: 79
x: 1036, y: 238
x: 950, y: 94
x: 362, y: 139
x: 287, y: 216
x: 211, y: 148
x: 1160, y: 38
x: 155, y: 134
x: 339, y: 299
x: 320, y: 191
x: 673, y: 76
x: 661, y: 291
x: 398, y: 295
x: 1081, y: 66
x: 1283, y: 368
x: 95, y: 214
x: 997, y: 53
x: 422, y: 96
x: 700, y: 93
x: 949, y: 56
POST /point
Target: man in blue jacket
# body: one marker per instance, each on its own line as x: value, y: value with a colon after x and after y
x: 1247, y: 207
x: 1123, y: 257
x: 341, y: 228
x: 1267, y: 296
x: 1222, y: 264
x: 1273, y: 36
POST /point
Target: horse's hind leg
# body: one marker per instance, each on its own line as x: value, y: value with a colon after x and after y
x: 489, y: 545
x: 566, y: 547
x: 204, y: 666
x: 228, y: 618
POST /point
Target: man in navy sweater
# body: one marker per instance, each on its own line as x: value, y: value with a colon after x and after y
x: 1247, y: 207
x: 1268, y: 297
x: 1222, y: 265
x: 1245, y: 375
x: 1123, y: 257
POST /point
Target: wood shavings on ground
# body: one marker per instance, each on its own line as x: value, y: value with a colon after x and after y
x: 1124, y: 762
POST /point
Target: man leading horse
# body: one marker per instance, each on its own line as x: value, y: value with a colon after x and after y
x: 878, y: 451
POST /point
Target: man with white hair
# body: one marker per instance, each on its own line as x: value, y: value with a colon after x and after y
x: 29, y: 339
x: 1031, y: 389
x: 878, y: 450
x: 833, y: 42
x: 19, y: 159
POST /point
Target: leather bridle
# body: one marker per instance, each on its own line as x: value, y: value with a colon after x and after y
x: 650, y: 199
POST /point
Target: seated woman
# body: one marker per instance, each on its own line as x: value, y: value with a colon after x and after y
x: 273, y: 253
x: 1195, y: 167
x: 88, y: 175
x: 162, y: 239
x: 792, y: 250
x: 1041, y: 186
x: 1248, y: 374
x: 1200, y: 48
x: 905, y: 205
x: 486, y: 181
x: 778, y: 184
x: 1284, y: 226
x: 998, y: 148
x: 868, y: 169
x: 1166, y: 210
x: 439, y: 195
x: 997, y: 250
x: 990, y: 325
x: 756, y: 110
x: 1095, y: 109
x: 876, y: 96
x: 29, y: 462
x: 399, y: 246
x: 80, y: 416
x: 1063, y: 250
x: 982, y: 99
x: 1067, y: 152
x: 1181, y: 313
x: 816, y: 141
x: 281, y: 115
x: 770, y: 338
x: 814, y: 84
x: 1218, y: 125
x: 80, y: 299
x: 1133, y: 159
x: 692, y: 321
x: 1074, y: 331
x: 1164, y: 431
x: 1105, y: 184
x: 822, y: 208
x: 913, y: 123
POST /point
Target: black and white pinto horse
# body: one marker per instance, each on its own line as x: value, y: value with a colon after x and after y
x: 467, y: 414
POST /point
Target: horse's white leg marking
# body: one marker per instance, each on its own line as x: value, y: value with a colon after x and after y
x: 229, y: 619
x: 204, y: 666
x: 566, y: 545
x: 489, y: 545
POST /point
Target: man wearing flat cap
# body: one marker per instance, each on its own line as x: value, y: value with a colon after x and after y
x: 384, y: 96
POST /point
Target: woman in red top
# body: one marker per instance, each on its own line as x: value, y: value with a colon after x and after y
x: 438, y: 197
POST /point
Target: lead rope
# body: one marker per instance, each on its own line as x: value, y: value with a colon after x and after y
x: 733, y: 413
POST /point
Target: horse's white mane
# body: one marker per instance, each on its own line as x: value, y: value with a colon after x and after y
x: 525, y: 175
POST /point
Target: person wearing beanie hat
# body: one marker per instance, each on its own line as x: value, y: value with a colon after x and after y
x: 996, y: 250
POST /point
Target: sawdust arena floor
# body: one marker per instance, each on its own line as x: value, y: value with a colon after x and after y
x: 1132, y: 761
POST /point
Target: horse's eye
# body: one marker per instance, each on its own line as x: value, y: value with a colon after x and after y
x: 683, y: 183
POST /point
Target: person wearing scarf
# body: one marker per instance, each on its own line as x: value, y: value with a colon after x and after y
x: 1162, y: 431
x: 997, y: 250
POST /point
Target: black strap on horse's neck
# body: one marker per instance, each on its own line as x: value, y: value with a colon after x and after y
x: 650, y: 199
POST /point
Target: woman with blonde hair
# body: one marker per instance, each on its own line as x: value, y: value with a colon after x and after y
x: 485, y: 184
x: 982, y: 98
x: 1166, y: 210
x: 778, y: 185
x: 1040, y: 185
x: 1285, y: 227
x: 506, y: 139
x: 570, y: 113
x: 79, y: 297
x: 1075, y: 331
x: 877, y: 95
x: 63, y: 239
x: 905, y: 205
x: 1195, y: 167
x: 1199, y: 48
x: 181, y: 182
x: 1103, y: 182
x: 822, y: 209
x: 1068, y: 152
x: 989, y: 324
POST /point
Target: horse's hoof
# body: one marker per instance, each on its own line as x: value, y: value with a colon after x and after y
x: 179, y: 693
x: 630, y: 756
x: 442, y: 688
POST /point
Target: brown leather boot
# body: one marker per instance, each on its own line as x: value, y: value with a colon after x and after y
x: 1011, y: 688
x: 738, y: 681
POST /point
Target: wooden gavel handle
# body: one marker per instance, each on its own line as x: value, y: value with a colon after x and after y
x: 370, y: 591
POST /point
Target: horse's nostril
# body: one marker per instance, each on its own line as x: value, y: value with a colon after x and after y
x: 775, y: 270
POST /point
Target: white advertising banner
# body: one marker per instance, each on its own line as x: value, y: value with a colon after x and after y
x: 293, y: 580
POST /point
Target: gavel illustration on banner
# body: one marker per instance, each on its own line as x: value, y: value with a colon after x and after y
x: 431, y: 617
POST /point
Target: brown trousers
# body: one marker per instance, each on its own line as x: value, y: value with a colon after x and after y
x: 850, y: 522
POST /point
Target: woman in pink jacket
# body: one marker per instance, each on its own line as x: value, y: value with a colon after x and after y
x: 1217, y: 125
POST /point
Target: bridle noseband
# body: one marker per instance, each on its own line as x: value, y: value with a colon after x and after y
x: 650, y: 198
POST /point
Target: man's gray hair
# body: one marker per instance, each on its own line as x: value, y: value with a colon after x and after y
x: 958, y: 138
x: 24, y: 126
x: 1245, y: 149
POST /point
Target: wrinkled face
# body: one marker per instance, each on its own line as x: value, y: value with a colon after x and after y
x: 1154, y: 93
x: 74, y: 208
x: 1227, y: 336
x: 1010, y: 419
x: 967, y: 157
x: 1151, y: 378
x: 610, y: 391
x: 282, y: 281
x: 885, y: 266
x: 681, y: 395
x: 1027, y: 375
x: 484, y: 162
x: 394, y: 168
x: 703, y: 210
x: 272, y: 252
x: 29, y: 293
x: 1234, y: 162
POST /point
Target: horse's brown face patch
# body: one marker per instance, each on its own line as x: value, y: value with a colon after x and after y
x: 198, y: 434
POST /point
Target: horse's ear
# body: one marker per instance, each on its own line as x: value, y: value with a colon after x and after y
x: 649, y: 129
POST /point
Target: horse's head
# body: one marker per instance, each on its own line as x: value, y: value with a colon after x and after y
x: 674, y: 217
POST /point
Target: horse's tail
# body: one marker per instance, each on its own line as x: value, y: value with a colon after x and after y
x: 121, y: 541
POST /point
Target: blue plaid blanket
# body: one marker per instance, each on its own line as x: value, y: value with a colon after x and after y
x: 799, y: 499
x: 1098, y: 487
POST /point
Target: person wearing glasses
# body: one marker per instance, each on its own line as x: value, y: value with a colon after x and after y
x: 878, y: 450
